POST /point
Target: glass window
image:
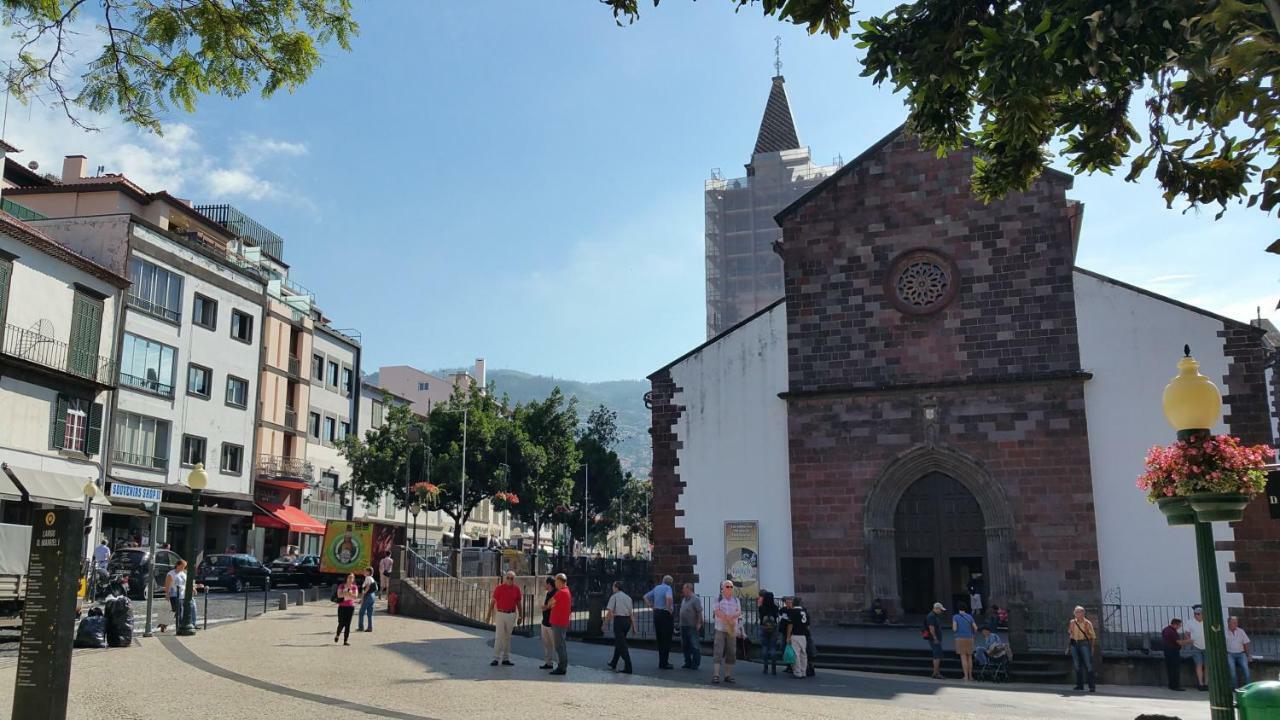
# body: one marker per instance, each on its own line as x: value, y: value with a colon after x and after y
x: 199, y: 380
x: 77, y: 425
x: 237, y: 391
x: 376, y: 419
x: 204, y: 312
x: 141, y: 441
x: 155, y: 291
x: 344, y: 429
x: 241, y: 326
x: 232, y: 458
x: 313, y: 425
x: 147, y: 365
x: 422, y: 387
x: 332, y: 378
x: 347, y: 377
x: 192, y: 449
x: 330, y: 429
x: 391, y: 506
x: 317, y: 367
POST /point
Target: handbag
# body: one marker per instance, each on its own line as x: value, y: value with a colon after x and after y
x: 789, y: 655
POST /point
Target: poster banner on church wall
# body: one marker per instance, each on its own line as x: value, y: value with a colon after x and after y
x: 742, y: 555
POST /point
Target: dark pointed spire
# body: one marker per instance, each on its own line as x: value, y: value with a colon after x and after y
x: 777, y: 127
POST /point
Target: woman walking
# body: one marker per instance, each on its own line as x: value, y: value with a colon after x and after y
x: 347, y: 593
x: 767, y: 609
x: 728, y: 613
x: 964, y: 627
x: 175, y: 586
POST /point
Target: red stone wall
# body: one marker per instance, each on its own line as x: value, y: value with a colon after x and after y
x: 670, y: 546
x: 1001, y: 363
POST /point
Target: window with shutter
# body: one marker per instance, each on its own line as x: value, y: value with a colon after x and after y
x: 58, y: 422
x: 86, y: 334
x: 93, y: 441
x: 6, y: 271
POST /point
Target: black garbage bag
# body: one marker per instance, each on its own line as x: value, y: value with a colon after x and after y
x: 92, y: 632
x: 119, y: 613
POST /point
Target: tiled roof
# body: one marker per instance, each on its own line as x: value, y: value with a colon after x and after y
x: 777, y: 127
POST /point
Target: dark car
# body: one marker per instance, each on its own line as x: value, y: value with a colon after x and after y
x: 301, y: 570
x: 234, y: 572
x: 128, y: 567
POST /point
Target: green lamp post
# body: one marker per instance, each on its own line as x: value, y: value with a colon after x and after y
x: 197, y: 481
x: 1192, y: 404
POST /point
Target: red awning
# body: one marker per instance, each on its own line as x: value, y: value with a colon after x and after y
x: 287, y: 517
x: 284, y: 483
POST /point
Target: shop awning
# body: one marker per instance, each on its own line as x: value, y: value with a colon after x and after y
x: 285, y: 483
x: 287, y: 517
x: 44, y: 486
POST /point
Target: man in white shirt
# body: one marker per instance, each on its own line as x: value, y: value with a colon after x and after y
x: 1195, y: 628
x: 384, y: 567
x: 101, y: 555
x: 1237, y: 651
x: 618, y: 611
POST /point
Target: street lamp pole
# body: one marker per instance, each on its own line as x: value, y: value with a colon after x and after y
x: 197, y: 481
x: 1192, y: 404
x: 586, y: 508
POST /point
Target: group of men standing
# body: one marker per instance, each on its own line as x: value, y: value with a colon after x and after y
x: 506, y: 611
x: 1177, y: 635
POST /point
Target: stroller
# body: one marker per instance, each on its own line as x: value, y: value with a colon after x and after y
x: 996, y: 665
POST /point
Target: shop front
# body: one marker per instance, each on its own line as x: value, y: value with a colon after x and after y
x: 225, y: 518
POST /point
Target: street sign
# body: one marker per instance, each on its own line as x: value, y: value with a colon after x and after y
x: 49, y: 615
x: 1273, y: 493
x: 133, y: 492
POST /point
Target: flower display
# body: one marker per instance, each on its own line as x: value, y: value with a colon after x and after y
x: 505, y: 500
x: 424, y: 491
x: 1205, y: 464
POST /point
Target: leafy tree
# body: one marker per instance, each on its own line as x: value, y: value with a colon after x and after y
x: 491, y: 435
x: 1012, y: 77
x: 542, y: 470
x: 593, y: 496
x: 385, y: 460
x: 629, y: 510
x: 155, y: 54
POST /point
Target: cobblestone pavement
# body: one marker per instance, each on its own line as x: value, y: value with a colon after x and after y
x: 286, y: 665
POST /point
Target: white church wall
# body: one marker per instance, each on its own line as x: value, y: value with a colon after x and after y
x: 1131, y: 343
x: 733, y: 457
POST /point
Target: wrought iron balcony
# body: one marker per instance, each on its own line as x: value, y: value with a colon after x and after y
x: 290, y: 418
x: 137, y: 460
x: 47, y: 352
x: 295, y: 367
x: 284, y: 468
x: 324, y: 504
x: 147, y: 384
x: 245, y: 227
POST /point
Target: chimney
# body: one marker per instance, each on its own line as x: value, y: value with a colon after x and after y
x: 73, y: 168
x: 480, y: 372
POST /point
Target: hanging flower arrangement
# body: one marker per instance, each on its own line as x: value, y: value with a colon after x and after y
x: 1205, y: 464
x: 505, y: 500
x: 424, y: 491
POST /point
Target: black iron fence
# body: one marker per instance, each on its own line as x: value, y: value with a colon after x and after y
x: 56, y: 355
x: 1124, y: 628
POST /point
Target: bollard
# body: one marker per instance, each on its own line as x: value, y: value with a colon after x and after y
x: 264, y: 601
x: 246, y: 604
x: 302, y: 597
x: 206, y: 608
x: 284, y: 601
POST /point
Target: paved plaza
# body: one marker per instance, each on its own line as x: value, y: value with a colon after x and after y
x: 285, y: 665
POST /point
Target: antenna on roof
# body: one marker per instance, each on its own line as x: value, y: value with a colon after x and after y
x: 777, y: 55
x: 101, y: 169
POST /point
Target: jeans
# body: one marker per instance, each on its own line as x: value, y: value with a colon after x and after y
x: 691, y: 645
x: 562, y: 648
x: 663, y: 626
x: 621, y: 626
x: 366, y: 609
x: 504, y: 623
x: 548, y: 645
x: 1240, y: 660
x: 1082, y: 659
x: 769, y: 647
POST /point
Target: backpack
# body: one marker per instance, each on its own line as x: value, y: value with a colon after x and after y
x: 924, y: 631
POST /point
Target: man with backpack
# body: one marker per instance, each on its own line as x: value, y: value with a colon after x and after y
x: 368, y: 596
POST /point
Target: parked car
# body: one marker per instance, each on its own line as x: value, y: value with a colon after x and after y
x: 128, y: 567
x: 300, y: 570
x: 234, y: 572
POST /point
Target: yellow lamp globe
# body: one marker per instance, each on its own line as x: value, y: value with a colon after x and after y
x: 1191, y: 400
x: 90, y: 489
x: 198, y: 479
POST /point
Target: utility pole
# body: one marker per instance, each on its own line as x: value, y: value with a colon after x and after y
x: 586, y: 508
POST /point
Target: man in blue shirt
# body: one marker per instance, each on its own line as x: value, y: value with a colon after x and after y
x: 662, y: 599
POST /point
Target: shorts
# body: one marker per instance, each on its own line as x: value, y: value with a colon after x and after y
x: 936, y: 648
x: 964, y: 646
x: 1197, y: 656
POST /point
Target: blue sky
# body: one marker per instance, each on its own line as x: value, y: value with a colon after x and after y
x: 526, y: 185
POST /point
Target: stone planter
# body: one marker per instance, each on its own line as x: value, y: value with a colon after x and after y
x: 1218, y: 507
x: 1177, y: 510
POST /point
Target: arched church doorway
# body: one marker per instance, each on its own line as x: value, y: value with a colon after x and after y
x: 940, y: 542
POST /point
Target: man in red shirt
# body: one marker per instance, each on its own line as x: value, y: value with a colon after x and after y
x: 510, y: 612
x: 561, y: 606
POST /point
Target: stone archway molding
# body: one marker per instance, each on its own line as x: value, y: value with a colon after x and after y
x: 882, y: 504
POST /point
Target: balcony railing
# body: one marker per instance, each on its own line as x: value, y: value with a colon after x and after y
x: 324, y: 504
x: 295, y: 367
x: 152, y: 308
x: 21, y: 212
x: 138, y: 460
x: 245, y: 228
x: 56, y: 355
x: 148, y: 385
x: 291, y: 418
x: 285, y: 468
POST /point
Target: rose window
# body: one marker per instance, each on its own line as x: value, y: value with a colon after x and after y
x: 923, y: 283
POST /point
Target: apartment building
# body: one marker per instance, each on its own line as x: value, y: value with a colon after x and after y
x: 187, y: 350
x: 425, y: 390
x: 58, y: 312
